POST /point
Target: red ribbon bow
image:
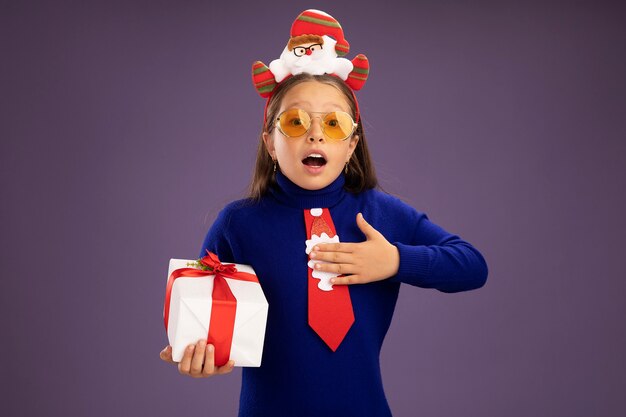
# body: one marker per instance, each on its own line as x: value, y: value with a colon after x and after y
x: 224, y: 303
x: 213, y: 262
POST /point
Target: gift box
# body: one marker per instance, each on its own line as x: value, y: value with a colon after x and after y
x: 223, y: 303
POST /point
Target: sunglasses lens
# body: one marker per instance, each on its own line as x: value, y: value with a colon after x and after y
x: 294, y: 122
x: 338, y: 125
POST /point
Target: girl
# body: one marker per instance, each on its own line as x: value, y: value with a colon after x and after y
x: 330, y: 303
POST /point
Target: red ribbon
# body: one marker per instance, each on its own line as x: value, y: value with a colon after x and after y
x: 224, y: 303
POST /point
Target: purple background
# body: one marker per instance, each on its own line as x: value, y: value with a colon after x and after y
x: 127, y: 127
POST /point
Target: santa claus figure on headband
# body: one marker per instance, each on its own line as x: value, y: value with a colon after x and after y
x: 315, y: 46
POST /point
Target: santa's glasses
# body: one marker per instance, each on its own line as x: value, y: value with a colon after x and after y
x: 336, y: 125
x: 307, y: 50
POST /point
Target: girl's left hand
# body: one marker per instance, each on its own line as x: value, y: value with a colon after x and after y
x: 373, y: 260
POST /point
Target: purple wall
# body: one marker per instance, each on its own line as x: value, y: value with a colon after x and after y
x: 503, y: 122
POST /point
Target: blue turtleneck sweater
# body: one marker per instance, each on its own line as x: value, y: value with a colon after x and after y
x: 300, y: 376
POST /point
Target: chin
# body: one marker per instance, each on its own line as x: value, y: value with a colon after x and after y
x: 309, y: 181
x: 318, y: 182
x: 312, y: 183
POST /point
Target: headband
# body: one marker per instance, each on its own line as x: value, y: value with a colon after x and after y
x: 315, y: 46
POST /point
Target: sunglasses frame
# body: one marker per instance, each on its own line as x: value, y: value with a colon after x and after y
x: 323, y: 115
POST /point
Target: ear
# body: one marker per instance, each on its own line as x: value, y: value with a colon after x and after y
x: 269, y: 144
x: 352, y: 146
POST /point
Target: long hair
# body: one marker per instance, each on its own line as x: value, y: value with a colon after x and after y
x: 361, y: 174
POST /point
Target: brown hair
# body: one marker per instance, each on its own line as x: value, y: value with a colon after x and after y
x: 361, y: 174
x: 302, y: 39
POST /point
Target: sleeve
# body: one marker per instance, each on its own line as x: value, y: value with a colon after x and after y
x: 437, y: 259
x: 218, y: 239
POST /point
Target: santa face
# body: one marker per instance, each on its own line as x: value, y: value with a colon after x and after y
x: 314, y: 58
x: 311, y: 161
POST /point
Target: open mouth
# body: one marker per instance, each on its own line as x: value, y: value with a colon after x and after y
x: 314, y: 160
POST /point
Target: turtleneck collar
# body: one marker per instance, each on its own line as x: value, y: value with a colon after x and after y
x: 293, y: 195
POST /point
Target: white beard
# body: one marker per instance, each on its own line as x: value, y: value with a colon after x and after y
x: 323, y: 61
x: 323, y: 276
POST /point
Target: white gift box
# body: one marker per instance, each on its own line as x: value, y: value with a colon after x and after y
x: 190, y: 314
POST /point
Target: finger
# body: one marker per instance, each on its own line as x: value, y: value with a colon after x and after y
x: 185, y: 363
x: 166, y: 354
x: 335, y: 268
x: 347, y: 280
x: 198, y: 358
x: 367, y: 229
x: 226, y: 369
x: 335, y: 257
x: 335, y: 247
x: 209, y: 361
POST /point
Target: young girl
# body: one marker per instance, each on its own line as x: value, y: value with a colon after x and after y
x: 329, y: 249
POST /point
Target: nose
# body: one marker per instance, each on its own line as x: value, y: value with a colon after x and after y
x: 315, y: 132
x: 309, y: 52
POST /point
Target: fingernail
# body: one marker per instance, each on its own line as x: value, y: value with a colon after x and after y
x: 332, y: 280
x: 189, y: 348
x: 316, y: 248
x: 313, y: 254
x: 210, y: 347
x: 318, y: 266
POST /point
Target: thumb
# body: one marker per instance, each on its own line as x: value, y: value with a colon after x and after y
x: 166, y: 354
x: 367, y: 229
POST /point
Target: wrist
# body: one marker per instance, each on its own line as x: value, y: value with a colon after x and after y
x: 394, y: 260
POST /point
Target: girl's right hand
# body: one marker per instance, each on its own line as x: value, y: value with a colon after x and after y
x: 198, y: 361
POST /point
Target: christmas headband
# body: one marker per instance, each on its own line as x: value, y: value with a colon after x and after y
x: 315, y: 46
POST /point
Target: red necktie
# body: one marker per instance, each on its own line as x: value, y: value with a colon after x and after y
x: 330, y: 307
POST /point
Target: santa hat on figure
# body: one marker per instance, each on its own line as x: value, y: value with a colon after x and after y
x: 315, y: 47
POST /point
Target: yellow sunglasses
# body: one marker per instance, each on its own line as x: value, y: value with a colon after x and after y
x: 336, y: 125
